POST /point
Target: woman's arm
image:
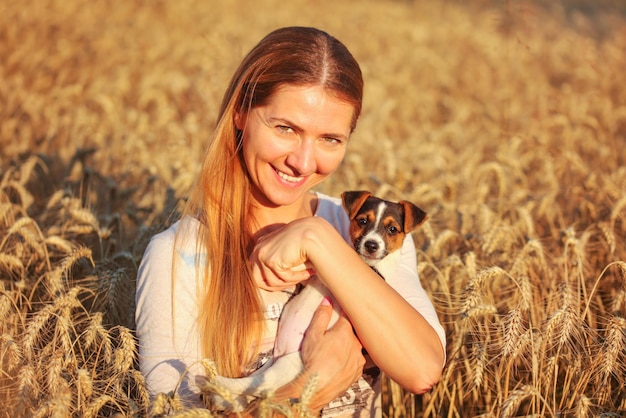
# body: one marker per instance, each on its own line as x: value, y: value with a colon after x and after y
x: 168, y: 349
x: 397, y: 337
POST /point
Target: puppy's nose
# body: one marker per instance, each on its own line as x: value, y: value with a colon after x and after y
x: 371, y: 246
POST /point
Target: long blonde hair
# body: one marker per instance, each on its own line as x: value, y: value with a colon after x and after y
x: 230, y: 310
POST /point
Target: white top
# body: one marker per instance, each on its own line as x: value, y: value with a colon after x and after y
x: 169, y: 350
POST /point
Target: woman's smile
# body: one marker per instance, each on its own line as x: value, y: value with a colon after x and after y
x: 288, y: 178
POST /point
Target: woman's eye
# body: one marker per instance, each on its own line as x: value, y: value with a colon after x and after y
x: 331, y: 140
x: 284, y: 129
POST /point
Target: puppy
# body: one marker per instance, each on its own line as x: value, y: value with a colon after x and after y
x: 377, y: 229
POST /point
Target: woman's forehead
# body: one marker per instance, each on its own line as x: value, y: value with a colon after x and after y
x: 310, y: 105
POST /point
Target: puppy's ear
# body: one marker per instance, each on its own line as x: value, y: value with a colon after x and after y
x: 353, y: 200
x: 413, y: 216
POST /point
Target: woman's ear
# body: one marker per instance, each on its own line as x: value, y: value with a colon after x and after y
x: 239, y: 119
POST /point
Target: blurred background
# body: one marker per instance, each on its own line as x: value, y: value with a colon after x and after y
x: 504, y: 120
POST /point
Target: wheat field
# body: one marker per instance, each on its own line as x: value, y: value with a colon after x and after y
x: 504, y: 120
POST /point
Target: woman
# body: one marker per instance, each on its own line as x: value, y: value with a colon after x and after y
x: 213, y: 285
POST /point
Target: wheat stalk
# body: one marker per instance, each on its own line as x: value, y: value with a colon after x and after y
x: 6, y: 305
x: 479, y: 311
x: 194, y: 413
x: 125, y: 354
x: 613, y: 350
x: 53, y: 368
x: 267, y: 408
x: 440, y: 242
x: 84, y: 216
x: 619, y: 206
x: 84, y: 385
x: 142, y: 397
x: 11, y: 354
x: 28, y: 387
x: 512, y: 403
x: 64, y: 330
x: 470, y: 264
x: 159, y: 405
x: 427, y: 230
x: 27, y: 168
x: 513, y: 329
x: 118, y: 288
x: 479, y: 366
x: 498, y: 171
x: 621, y: 265
x: 59, y: 243
x: 12, y: 264
x: 472, y: 294
x: 80, y: 229
x: 7, y: 211
x: 26, y: 198
x: 92, y: 410
x: 93, y: 331
x: 35, y: 329
x: 56, y: 198
x: 562, y: 326
x: 583, y: 407
x: 56, y: 279
x: 166, y: 404
x: 61, y: 405
x: 96, y: 337
x: 213, y: 387
x: 609, y: 236
x: 619, y: 300
x: 23, y: 227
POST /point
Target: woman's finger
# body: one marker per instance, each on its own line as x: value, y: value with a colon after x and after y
x: 270, y: 279
x: 306, y: 266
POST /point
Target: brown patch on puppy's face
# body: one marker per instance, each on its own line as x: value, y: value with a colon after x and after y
x: 391, y: 229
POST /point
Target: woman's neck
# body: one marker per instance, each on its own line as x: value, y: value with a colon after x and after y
x: 271, y: 217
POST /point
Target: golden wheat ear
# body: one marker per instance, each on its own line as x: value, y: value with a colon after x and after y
x: 353, y: 200
x: 413, y: 216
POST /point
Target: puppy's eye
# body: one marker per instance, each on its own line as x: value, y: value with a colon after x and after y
x: 392, y: 230
x: 361, y: 221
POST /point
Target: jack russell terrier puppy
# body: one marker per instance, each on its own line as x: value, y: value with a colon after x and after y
x: 377, y: 229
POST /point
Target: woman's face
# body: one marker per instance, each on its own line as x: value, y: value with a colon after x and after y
x: 293, y: 142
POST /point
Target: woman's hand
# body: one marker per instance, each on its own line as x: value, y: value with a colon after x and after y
x: 280, y: 260
x: 333, y: 356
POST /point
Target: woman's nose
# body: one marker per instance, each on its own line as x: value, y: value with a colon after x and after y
x: 302, y: 158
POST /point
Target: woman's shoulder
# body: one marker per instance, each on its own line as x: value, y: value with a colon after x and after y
x: 329, y: 206
x: 331, y: 209
x: 178, y: 241
x: 187, y: 226
x: 182, y: 234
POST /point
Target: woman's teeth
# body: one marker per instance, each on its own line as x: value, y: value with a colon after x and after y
x: 288, y: 178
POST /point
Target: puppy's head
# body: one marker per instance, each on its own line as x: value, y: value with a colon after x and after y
x: 377, y: 226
